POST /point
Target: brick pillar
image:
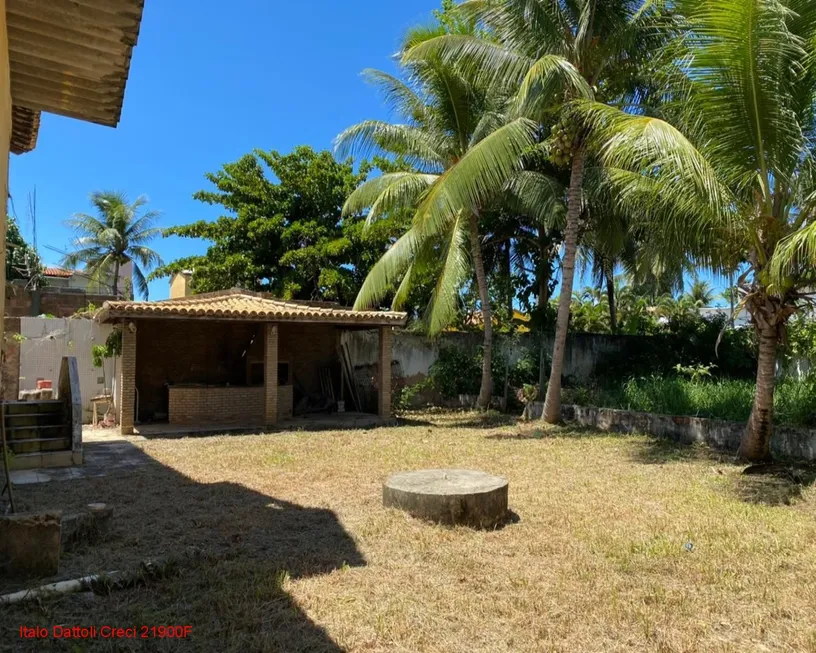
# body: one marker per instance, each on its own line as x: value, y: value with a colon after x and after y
x: 127, y: 379
x: 271, y: 375
x: 384, y: 373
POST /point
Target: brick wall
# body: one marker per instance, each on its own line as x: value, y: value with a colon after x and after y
x: 127, y: 385
x: 271, y: 375
x: 239, y: 406
x: 177, y: 352
x: 285, y: 401
x: 23, y: 303
x: 10, y: 365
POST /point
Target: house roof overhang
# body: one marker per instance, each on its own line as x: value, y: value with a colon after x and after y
x: 245, y: 306
x: 69, y: 57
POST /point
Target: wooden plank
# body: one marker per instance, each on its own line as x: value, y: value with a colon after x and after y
x: 34, y: 76
x: 89, y: 115
x: 130, y: 8
x: 64, y: 90
x: 24, y: 95
x: 58, y: 49
x: 79, y: 12
x: 97, y: 74
x: 99, y: 39
x: 50, y: 19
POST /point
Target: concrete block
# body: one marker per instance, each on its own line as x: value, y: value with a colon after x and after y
x: 30, y: 544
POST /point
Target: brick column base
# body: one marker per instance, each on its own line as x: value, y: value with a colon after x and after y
x: 127, y: 379
x: 271, y: 375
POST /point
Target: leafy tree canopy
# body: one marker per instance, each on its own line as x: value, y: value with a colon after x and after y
x: 22, y: 261
x: 284, y: 232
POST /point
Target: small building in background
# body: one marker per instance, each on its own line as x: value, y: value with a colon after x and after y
x: 56, y: 278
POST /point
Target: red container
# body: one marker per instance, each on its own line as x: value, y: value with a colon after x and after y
x: 43, y: 384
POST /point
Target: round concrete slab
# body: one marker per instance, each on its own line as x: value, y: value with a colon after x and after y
x: 449, y: 496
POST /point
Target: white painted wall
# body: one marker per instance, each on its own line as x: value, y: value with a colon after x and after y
x: 47, y: 340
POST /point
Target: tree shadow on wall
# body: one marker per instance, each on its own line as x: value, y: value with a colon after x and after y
x: 232, y: 552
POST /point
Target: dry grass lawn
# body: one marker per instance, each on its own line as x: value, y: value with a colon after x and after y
x: 280, y: 542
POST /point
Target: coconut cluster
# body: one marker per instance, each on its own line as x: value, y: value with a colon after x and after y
x: 562, y: 142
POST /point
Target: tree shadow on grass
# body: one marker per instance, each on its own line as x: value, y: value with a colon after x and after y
x: 459, y: 420
x: 536, y: 431
x: 779, y: 484
x: 782, y: 483
x: 235, y: 550
x: 662, y: 451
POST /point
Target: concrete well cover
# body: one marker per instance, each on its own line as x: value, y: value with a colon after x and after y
x: 449, y: 496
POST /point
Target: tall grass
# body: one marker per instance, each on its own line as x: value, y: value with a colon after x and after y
x: 794, y: 401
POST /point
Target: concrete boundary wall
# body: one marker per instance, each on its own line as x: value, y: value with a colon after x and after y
x: 412, y: 355
x: 787, y: 442
x: 44, y: 343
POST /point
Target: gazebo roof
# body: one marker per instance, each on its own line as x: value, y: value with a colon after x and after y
x: 243, y: 305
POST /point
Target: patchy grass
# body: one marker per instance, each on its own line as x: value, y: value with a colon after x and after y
x: 280, y: 542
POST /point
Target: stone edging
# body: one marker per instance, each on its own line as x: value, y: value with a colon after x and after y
x: 788, y: 442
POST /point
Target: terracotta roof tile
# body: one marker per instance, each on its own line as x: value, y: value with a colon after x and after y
x: 57, y: 272
x: 245, y: 305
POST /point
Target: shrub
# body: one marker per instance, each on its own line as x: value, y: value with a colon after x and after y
x: 727, y: 399
x: 458, y: 370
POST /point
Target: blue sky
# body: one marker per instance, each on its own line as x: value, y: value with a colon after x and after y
x: 209, y: 82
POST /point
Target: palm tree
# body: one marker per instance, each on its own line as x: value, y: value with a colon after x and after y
x: 463, y: 149
x: 735, y: 180
x: 700, y: 293
x: 116, y: 237
x: 553, y: 53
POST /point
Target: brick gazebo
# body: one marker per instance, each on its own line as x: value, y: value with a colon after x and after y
x: 235, y: 359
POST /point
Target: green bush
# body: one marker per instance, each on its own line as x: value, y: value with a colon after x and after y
x: 458, y: 370
x: 688, y: 341
x: 525, y: 371
x: 727, y: 399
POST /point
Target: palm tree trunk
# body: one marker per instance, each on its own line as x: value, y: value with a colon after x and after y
x: 610, y: 298
x: 552, y: 403
x: 508, y: 271
x: 731, y: 292
x: 115, y: 287
x: 486, y: 389
x: 544, y: 272
x: 756, y: 440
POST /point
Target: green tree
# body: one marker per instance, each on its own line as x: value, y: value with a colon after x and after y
x: 734, y: 180
x: 22, y: 261
x: 284, y: 232
x: 116, y: 236
x: 552, y: 52
x: 463, y: 149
